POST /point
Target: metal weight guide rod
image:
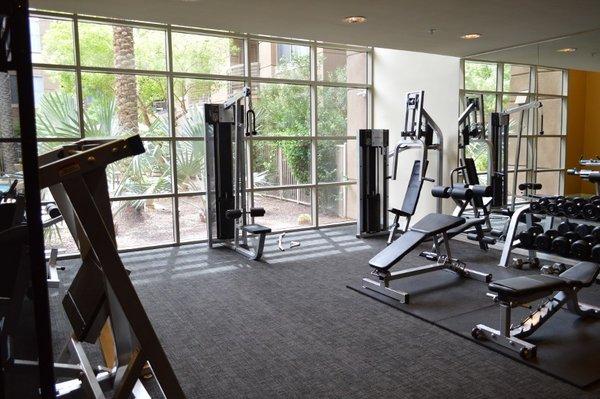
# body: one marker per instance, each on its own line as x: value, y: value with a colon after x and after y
x: 101, y: 302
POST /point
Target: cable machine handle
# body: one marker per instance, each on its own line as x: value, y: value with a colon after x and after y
x: 250, y: 123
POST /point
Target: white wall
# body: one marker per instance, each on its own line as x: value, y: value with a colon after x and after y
x: 397, y: 72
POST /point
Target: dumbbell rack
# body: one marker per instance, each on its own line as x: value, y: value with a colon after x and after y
x: 512, y: 242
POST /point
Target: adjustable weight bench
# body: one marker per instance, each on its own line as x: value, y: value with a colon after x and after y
x: 518, y: 291
x: 434, y: 226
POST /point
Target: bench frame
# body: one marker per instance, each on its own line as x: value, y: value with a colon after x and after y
x: 510, y: 336
x: 443, y: 262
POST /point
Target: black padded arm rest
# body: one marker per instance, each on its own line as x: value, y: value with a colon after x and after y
x: 482, y: 191
x: 396, y: 250
x: 436, y: 223
x: 581, y: 274
x: 516, y: 287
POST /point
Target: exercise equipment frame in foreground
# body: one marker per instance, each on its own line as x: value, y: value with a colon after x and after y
x: 102, y: 300
x: 518, y: 291
x: 433, y: 226
x: 227, y: 129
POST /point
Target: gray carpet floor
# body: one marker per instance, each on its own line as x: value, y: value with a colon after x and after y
x: 289, y: 327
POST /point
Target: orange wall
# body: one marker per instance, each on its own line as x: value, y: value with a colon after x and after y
x: 583, y: 126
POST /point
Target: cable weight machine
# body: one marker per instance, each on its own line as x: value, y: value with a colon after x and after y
x: 228, y: 126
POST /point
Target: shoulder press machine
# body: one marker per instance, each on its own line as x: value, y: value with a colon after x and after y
x: 420, y: 132
x: 227, y: 127
x: 434, y: 226
x: 518, y: 291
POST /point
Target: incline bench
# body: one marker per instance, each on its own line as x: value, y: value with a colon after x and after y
x: 518, y: 291
x: 434, y: 226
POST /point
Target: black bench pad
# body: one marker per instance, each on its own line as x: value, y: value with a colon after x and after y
x: 436, y: 223
x: 256, y: 229
x: 397, y: 250
x: 582, y: 274
x: 466, y: 226
x: 515, y: 287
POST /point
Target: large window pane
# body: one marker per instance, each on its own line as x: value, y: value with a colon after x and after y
x: 52, y: 41
x: 57, y: 236
x: 120, y: 46
x: 56, y: 108
x: 284, y: 208
x: 489, y: 104
x: 341, y: 111
x: 516, y: 78
x: 346, y: 66
x: 509, y: 102
x: 192, y: 218
x: 125, y: 104
x: 207, y: 54
x: 282, y: 109
x: 549, y: 152
x: 336, y: 160
x: 279, y: 60
x: 282, y: 162
x: 143, y: 222
x: 552, y: 112
x: 480, y: 76
x: 550, y: 81
x: 190, y: 97
x: 550, y: 183
x: 337, y: 204
x: 144, y: 174
x: 190, y: 166
x: 512, y: 151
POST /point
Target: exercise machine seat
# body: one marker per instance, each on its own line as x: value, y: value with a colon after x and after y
x: 432, y: 224
x: 396, y: 250
x: 466, y: 226
x: 436, y: 223
x: 515, y: 287
x: 583, y: 274
x: 256, y: 229
x: 399, y: 212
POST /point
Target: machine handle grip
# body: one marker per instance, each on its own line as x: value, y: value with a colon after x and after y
x: 251, y: 123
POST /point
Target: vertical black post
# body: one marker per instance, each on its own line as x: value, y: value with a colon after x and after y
x: 21, y: 53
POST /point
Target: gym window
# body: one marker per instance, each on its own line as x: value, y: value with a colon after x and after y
x: 106, y: 77
x: 504, y: 86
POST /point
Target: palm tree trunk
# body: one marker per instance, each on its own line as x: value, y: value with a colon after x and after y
x: 9, y: 162
x: 127, y: 111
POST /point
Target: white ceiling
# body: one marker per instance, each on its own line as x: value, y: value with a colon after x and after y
x: 398, y: 24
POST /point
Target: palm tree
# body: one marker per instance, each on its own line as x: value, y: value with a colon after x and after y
x: 126, y: 84
x: 9, y: 156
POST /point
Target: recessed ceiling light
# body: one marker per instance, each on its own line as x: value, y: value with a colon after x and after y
x: 471, y: 36
x: 567, y: 50
x: 356, y: 19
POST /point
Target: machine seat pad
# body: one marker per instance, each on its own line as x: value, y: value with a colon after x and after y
x: 399, y: 212
x: 256, y: 229
x: 396, y: 250
x: 581, y: 274
x: 466, y: 226
x: 436, y: 223
x: 515, y: 287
